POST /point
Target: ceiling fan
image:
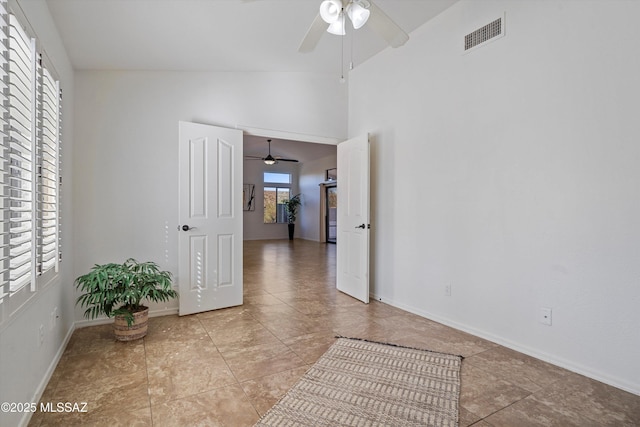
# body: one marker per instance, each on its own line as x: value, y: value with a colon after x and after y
x: 332, y: 18
x: 269, y: 159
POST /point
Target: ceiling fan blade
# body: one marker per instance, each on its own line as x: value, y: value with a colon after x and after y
x: 385, y: 27
x: 253, y: 158
x: 286, y: 160
x: 315, y: 31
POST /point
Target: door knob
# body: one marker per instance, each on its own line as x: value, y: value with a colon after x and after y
x: 185, y: 228
x: 361, y: 226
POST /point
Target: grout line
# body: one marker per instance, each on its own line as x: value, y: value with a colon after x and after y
x: 146, y: 369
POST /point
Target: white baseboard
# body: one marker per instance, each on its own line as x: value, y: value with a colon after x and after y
x: 48, y: 374
x: 554, y: 360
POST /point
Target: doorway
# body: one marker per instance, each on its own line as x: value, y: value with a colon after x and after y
x: 331, y: 202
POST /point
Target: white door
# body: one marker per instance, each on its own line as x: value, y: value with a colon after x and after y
x: 210, y: 217
x: 352, y: 248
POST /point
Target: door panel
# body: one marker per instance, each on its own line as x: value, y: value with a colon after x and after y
x: 210, y: 208
x: 353, y: 218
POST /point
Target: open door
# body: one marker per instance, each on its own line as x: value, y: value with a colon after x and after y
x: 210, y: 218
x: 352, y: 251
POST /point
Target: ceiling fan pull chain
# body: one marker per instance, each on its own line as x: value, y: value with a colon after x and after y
x: 342, y: 79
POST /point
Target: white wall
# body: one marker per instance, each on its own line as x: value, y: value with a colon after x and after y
x: 514, y: 170
x: 311, y: 175
x: 253, y: 224
x: 25, y: 365
x: 126, y: 183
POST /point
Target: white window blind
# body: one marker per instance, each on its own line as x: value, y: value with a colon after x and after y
x: 30, y: 130
x: 48, y: 168
x: 22, y: 209
x: 4, y: 163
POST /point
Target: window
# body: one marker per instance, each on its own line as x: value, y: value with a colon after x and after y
x: 29, y: 166
x: 277, y: 178
x: 276, y: 192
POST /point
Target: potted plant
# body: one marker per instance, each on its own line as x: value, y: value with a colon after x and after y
x: 291, y: 207
x: 119, y: 289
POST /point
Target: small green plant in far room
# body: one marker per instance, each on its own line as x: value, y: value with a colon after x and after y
x: 291, y: 206
x: 119, y: 290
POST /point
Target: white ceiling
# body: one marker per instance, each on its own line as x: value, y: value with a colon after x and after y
x: 216, y: 35
x: 221, y: 35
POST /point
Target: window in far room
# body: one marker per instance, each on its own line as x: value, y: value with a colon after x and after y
x: 277, y: 190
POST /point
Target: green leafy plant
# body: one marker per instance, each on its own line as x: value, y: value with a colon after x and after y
x: 291, y: 206
x: 118, y: 289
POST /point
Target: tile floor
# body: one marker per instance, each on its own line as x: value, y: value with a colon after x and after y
x: 228, y: 367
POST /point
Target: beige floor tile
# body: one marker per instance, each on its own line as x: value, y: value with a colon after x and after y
x: 524, y: 371
x: 341, y: 318
x: 590, y: 401
x: 85, y: 368
x: 174, y: 328
x: 265, y: 392
x: 96, y: 338
x: 295, y: 327
x: 226, y: 406
x: 466, y: 418
x: 264, y: 313
x: 529, y: 413
x: 260, y: 360
x: 224, y: 316
x: 374, y: 309
x: 247, y: 335
x: 482, y: 393
x: 225, y: 367
x: 310, y: 347
x: 126, y: 391
x: 185, y: 371
x: 117, y: 417
x: 261, y: 299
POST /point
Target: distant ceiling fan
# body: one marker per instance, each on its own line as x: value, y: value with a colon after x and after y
x: 331, y: 18
x: 269, y: 159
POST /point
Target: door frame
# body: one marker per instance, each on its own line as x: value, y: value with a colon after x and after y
x: 292, y: 136
x: 300, y: 137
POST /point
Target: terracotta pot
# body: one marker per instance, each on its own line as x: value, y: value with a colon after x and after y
x: 137, y: 330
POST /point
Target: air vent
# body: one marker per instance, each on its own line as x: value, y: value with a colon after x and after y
x: 485, y: 34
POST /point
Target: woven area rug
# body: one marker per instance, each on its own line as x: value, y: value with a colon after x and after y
x: 363, y: 383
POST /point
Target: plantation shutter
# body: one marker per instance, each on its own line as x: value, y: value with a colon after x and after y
x: 4, y: 153
x: 22, y: 209
x: 48, y: 169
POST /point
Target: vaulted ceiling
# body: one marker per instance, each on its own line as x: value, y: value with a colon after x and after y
x: 222, y: 35
x: 216, y: 35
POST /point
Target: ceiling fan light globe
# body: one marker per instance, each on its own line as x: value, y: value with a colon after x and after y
x: 330, y: 10
x: 337, y: 28
x: 269, y: 160
x: 358, y: 15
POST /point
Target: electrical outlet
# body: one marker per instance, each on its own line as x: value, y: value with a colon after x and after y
x: 447, y: 290
x: 53, y: 318
x: 545, y: 316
